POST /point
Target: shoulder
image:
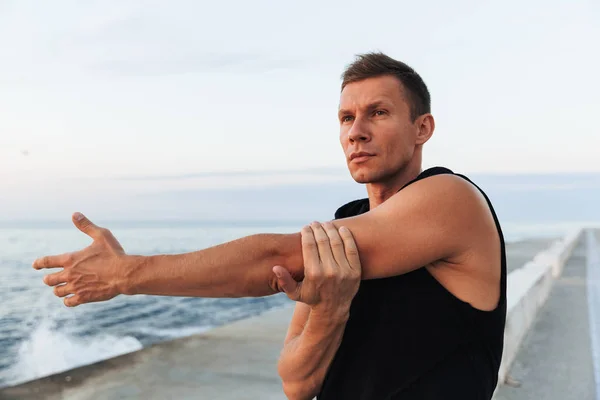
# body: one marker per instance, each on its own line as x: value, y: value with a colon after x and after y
x: 441, y: 187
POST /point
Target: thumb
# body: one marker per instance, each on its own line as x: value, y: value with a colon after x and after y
x: 287, y: 283
x: 85, y: 225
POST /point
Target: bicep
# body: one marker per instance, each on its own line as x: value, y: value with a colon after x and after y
x: 298, y: 322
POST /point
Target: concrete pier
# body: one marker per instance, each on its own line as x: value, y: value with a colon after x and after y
x: 238, y: 361
x: 555, y: 360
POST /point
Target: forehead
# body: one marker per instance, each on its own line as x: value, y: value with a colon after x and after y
x: 362, y: 93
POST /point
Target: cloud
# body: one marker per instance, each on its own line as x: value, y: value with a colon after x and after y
x: 130, y: 39
x: 160, y: 40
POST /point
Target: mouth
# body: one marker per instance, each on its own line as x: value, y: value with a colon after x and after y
x: 360, y: 157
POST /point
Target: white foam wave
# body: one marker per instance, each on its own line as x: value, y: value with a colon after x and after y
x: 47, y: 352
x: 174, y: 332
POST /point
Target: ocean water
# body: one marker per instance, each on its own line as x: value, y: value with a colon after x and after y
x: 39, y: 336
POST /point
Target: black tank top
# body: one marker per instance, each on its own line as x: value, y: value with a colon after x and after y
x: 409, y: 338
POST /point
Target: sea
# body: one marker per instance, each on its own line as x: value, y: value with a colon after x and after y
x: 39, y: 336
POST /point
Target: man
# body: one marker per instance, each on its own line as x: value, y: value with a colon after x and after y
x: 428, y: 318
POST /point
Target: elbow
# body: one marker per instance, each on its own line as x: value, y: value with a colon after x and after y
x: 300, y: 390
x: 297, y: 387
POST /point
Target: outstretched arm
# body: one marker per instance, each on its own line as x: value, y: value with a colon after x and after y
x: 240, y: 268
x: 437, y: 218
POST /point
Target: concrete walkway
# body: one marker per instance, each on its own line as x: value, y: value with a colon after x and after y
x: 555, y: 359
x: 237, y: 361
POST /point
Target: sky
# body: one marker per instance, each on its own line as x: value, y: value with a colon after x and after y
x: 102, y: 101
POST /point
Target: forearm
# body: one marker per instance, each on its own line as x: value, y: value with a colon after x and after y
x: 240, y: 268
x: 305, y: 360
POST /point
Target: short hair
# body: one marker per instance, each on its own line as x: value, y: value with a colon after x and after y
x: 371, y: 65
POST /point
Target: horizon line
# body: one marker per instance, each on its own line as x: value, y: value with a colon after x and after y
x: 334, y: 171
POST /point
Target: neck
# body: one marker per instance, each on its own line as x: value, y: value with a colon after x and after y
x: 381, y: 191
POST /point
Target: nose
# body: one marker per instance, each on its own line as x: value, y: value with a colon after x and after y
x: 359, y: 132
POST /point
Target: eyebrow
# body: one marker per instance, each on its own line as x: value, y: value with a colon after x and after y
x: 370, y: 107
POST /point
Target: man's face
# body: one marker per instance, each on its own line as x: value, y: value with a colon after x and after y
x: 375, y: 118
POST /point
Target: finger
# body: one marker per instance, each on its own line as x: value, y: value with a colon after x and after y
x: 323, y: 246
x: 63, y: 290
x: 86, y: 226
x: 73, y: 301
x: 55, y: 279
x: 310, y: 253
x: 287, y: 283
x: 58, y: 261
x: 350, y: 248
x: 336, y: 244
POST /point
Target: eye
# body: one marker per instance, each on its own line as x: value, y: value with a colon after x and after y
x: 379, y: 113
x: 346, y: 118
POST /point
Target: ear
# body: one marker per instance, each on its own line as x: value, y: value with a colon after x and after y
x: 426, y: 125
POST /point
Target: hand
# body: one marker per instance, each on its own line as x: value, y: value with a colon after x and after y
x: 332, y: 270
x: 92, y: 274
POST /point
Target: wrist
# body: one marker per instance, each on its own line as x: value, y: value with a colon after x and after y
x: 129, y: 267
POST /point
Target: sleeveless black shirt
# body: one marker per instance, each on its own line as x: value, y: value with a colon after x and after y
x: 408, y: 338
